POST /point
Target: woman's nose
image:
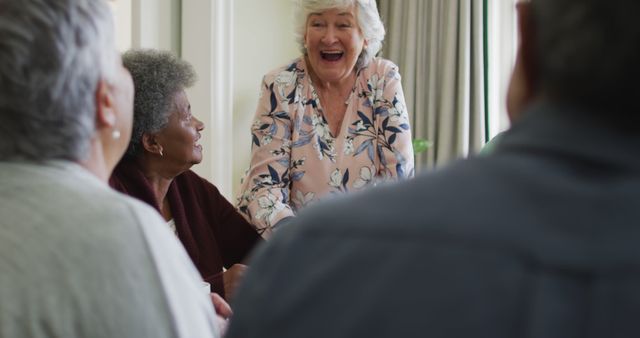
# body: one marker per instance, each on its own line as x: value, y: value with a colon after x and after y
x: 329, y: 36
x: 199, y: 124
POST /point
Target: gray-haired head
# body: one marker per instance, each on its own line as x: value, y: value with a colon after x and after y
x: 367, y: 16
x: 588, y: 52
x: 52, y: 56
x: 157, y: 77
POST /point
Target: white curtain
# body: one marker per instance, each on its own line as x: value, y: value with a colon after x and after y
x: 439, y: 47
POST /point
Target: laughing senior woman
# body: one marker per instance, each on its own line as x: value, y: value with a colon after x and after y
x: 156, y: 169
x: 332, y: 121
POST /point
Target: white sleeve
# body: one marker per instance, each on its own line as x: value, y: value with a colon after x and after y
x: 190, y: 306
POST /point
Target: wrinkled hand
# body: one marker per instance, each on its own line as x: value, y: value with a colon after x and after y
x: 231, y: 279
x: 223, y: 312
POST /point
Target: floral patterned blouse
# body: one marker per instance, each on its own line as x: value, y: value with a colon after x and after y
x: 295, y: 158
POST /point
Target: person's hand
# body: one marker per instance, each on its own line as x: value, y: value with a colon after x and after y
x: 222, y: 307
x: 231, y: 279
x: 223, y: 312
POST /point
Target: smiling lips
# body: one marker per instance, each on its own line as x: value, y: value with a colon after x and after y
x: 331, y: 55
x: 196, y: 144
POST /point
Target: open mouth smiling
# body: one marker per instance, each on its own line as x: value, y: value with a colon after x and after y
x: 331, y: 55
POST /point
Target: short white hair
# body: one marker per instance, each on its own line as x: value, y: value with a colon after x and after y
x: 367, y: 17
x: 53, y: 55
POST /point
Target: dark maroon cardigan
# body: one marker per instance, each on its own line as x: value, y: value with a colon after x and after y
x: 208, y: 226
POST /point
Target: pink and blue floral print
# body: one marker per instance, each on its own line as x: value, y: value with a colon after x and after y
x: 296, y: 160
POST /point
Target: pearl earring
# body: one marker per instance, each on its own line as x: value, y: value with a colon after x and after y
x: 115, y: 134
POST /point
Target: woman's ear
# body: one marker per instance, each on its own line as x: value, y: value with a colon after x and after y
x: 526, y: 29
x: 105, y: 114
x: 151, y: 145
x: 523, y: 86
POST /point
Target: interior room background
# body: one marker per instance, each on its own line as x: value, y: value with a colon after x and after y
x: 455, y: 57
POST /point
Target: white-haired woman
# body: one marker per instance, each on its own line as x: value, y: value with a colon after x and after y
x: 332, y: 121
x: 78, y: 259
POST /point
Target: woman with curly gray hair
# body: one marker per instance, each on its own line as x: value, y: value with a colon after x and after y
x: 156, y: 169
x: 332, y: 121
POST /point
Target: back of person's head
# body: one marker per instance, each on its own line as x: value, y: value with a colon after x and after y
x: 52, y: 55
x: 588, y: 52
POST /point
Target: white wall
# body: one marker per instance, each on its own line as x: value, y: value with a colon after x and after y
x: 264, y: 40
x: 156, y: 24
x: 122, y: 21
x: 147, y: 24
